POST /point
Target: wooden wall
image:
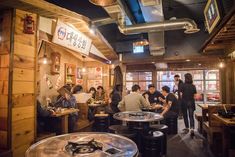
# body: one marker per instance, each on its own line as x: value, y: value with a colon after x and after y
x: 23, y: 87
x: 5, y: 29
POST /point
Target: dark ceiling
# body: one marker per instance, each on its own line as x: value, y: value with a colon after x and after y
x: 172, y: 8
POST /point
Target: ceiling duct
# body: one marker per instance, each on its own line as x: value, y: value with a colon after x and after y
x: 189, y: 25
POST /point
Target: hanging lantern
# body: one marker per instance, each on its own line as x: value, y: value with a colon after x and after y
x: 28, y: 25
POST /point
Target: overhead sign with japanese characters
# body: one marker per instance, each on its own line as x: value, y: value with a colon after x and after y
x: 71, y: 38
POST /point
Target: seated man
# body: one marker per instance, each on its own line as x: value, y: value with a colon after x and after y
x: 42, y: 117
x: 133, y: 101
x: 170, y: 104
x: 153, y: 95
x: 68, y: 101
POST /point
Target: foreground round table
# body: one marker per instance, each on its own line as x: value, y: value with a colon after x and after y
x: 56, y: 146
x: 137, y: 116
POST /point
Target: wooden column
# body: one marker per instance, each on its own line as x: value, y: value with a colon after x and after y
x: 23, y: 86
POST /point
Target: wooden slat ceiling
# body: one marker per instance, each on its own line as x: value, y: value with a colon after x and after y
x: 223, y: 36
x: 49, y: 10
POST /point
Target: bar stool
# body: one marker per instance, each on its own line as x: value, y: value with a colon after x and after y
x: 101, y: 123
x: 164, y: 130
x: 172, y: 123
x: 152, y: 144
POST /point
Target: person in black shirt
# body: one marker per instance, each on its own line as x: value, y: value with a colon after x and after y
x: 153, y: 95
x: 115, y: 96
x: 177, y: 85
x: 188, y: 92
x: 170, y: 107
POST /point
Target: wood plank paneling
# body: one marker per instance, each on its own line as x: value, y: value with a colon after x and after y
x: 25, y: 39
x: 20, y: 150
x: 23, y: 74
x: 24, y: 62
x: 3, y: 137
x: 3, y: 87
x: 5, y: 47
x: 3, y: 123
x: 22, y: 132
x: 19, y: 100
x: 4, y: 73
x: 3, y: 101
x: 21, y: 87
x: 24, y: 50
x: 3, y: 112
x: 21, y: 113
x: 4, y: 61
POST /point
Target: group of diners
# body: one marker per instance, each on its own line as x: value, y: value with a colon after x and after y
x: 167, y: 103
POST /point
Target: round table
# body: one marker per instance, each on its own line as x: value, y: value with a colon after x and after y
x: 56, y: 146
x: 137, y: 116
x: 138, y: 121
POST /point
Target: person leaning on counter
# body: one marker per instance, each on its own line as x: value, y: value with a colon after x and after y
x: 134, y: 101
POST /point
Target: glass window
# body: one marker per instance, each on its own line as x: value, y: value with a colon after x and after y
x: 138, y: 49
x: 145, y: 76
x: 206, y: 81
x: 212, y: 74
x: 143, y: 79
x: 131, y: 76
x: 212, y: 85
x: 199, y: 85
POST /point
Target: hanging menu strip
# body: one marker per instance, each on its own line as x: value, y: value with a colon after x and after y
x: 71, y: 38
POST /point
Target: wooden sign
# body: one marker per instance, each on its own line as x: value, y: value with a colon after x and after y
x: 211, y: 13
x: 71, y: 38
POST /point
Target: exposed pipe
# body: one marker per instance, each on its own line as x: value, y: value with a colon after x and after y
x: 189, y: 25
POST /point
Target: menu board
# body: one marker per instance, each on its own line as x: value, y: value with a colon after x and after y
x: 71, y: 38
x: 211, y: 13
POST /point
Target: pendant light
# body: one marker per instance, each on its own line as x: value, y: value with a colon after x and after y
x: 44, y: 59
x: 83, y: 67
x: 141, y: 42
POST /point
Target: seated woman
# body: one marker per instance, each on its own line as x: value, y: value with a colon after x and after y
x: 100, y: 95
x: 68, y: 101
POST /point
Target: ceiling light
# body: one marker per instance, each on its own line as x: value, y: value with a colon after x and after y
x: 188, y: 60
x: 103, y: 3
x: 44, y: 59
x: 153, y: 62
x: 221, y: 64
x: 199, y: 64
x: 141, y: 42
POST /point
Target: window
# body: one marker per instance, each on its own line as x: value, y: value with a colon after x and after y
x: 143, y: 79
x: 206, y: 82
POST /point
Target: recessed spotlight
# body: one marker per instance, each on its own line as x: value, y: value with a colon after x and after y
x: 199, y: 64
x: 153, y: 62
x: 188, y: 60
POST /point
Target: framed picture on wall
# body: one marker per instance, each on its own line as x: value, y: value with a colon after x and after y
x: 212, y: 15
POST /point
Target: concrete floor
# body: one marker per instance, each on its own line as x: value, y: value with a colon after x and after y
x: 182, y: 145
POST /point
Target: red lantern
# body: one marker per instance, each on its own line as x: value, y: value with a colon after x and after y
x: 28, y: 25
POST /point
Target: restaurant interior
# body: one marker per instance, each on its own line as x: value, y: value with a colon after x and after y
x: 62, y: 62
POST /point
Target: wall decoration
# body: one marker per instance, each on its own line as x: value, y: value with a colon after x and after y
x: 71, y: 38
x: 55, y: 67
x: 48, y: 81
x: 58, y: 82
x: 70, y: 73
x: 212, y: 15
x: 95, y: 73
x: 28, y: 24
